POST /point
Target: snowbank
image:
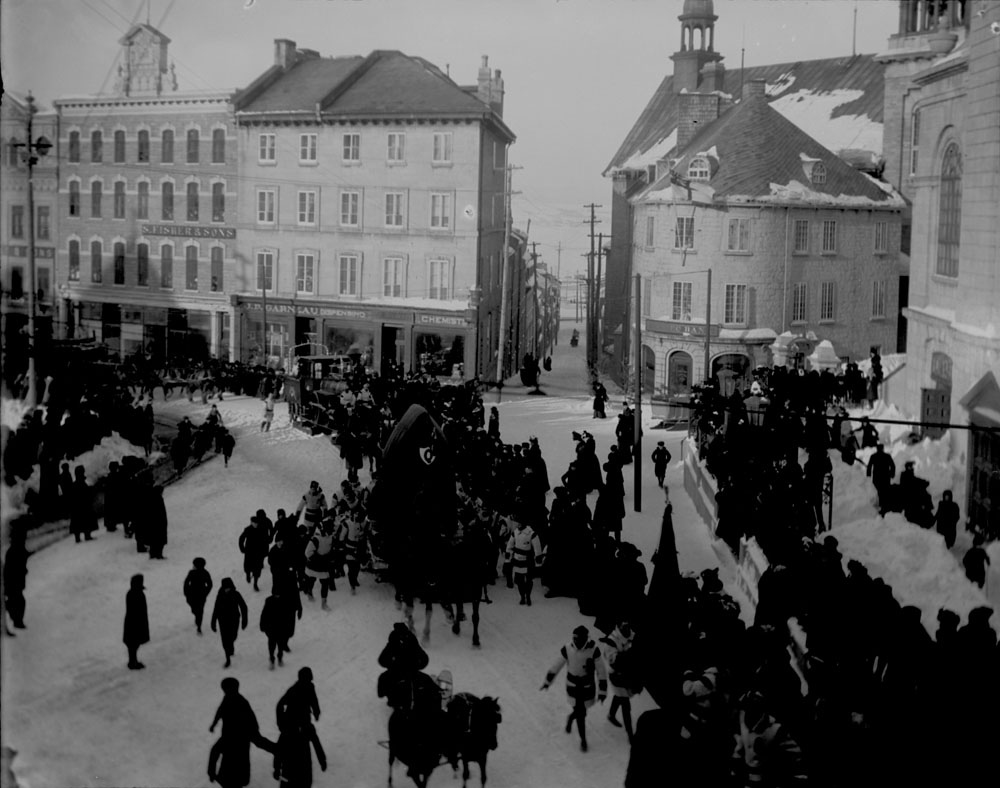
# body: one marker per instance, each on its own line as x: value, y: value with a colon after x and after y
x: 915, y: 563
x: 12, y: 412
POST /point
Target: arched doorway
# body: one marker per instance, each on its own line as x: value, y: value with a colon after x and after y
x: 679, y: 367
x: 648, y: 370
x: 731, y: 371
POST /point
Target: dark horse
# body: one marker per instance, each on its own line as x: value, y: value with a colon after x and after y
x: 423, y: 735
x: 468, y: 561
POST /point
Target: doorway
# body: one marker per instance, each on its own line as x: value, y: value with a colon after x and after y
x: 393, y: 348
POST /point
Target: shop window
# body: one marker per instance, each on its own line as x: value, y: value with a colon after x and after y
x: 437, y: 354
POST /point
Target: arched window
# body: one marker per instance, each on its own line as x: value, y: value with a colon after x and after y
x: 819, y: 172
x: 167, y: 146
x: 96, y: 147
x: 192, y: 146
x: 96, y: 271
x: 119, y: 148
x: 143, y: 142
x: 74, y: 261
x: 699, y: 169
x: 74, y: 146
x: 142, y: 264
x: 950, y: 212
x: 218, y: 146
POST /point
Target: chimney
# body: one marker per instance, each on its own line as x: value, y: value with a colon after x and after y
x: 695, y: 111
x: 713, y: 76
x: 484, y: 91
x: 284, y: 52
x: 496, y: 93
x: 754, y: 89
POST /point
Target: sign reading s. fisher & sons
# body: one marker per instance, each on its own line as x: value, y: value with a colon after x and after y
x: 188, y: 231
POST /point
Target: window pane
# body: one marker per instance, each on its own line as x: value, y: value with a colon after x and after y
x: 142, y: 200
x: 96, y: 147
x: 119, y: 263
x: 218, y: 202
x: 96, y: 192
x: 143, y: 146
x: 17, y: 221
x: 167, y: 147
x: 192, y: 146
x: 216, y: 269
x: 142, y: 265
x: 191, y: 268
x: 192, y: 202
x: 950, y: 213
x: 167, y: 200
x: 166, y: 266
x: 119, y: 147
x: 74, y: 146
x: 119, y: 206
x: 801, y: 236
x: 96, y: 262
x: 74, y: 261
x: 74, y: 198
x: 218, y: 146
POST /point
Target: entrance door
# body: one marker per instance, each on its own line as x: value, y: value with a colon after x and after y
x: 392, y: 348
x: 935, y: 407
x: 679, y: 374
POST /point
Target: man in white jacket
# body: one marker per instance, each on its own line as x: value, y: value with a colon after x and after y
x: 584, y: 664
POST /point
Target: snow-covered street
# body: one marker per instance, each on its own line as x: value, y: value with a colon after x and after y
x: 76, y: 716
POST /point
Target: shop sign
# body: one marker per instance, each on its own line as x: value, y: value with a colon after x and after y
x: 306, y: 310
x: 442, y: 320
x: 679, y: 328
x: 41, y: 252
x: 188, y: 231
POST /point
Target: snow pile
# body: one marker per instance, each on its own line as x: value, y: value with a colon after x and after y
x: 12, y: 412
x: 915, y: 563
x: 794, y: 191
x: 887, y: 433
x: 813, y: 113
x: 780, y: 85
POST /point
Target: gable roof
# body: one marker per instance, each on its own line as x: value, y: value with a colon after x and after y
x: 763, y: 157
x: 836, y: 100
x: 386, y: 83
x: 136, y: 29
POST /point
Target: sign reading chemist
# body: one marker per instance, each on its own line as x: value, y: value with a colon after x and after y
x: 188, y: 231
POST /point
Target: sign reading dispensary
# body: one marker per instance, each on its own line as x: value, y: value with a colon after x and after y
x: 188, y: 231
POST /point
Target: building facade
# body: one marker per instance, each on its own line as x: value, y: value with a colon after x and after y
x: 15, y: 225
x: 836, y: 101
x: 372, y: 193
x: 943, y: 112
x: 147, y: 210
x: 757, y: 245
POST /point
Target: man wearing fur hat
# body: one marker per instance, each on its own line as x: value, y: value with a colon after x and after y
x: 584, y: 664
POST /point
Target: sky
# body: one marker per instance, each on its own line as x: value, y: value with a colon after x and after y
x: 577, y: 73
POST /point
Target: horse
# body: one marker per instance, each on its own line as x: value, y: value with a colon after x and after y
x: 468, y: 561
x: 423, y: 734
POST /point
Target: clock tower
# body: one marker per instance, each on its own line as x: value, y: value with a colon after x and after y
x: 143, y: 69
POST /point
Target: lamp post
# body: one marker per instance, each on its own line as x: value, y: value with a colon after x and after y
x: 34, y: 149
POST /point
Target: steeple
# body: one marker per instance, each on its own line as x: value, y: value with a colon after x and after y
x: 698, y: 16
x: 143, y: 69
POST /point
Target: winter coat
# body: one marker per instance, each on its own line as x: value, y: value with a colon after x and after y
x: 82, y: 519
x: 524, y: 550
x: 228, y: 443
x: 660, y: 458
x: 298, y: 706
x: 254, y: 544
x: 583, y: 666
x: 136, y: 619
x: 229, y: 611
x: 319, y: 555
x: 881, y: 469
x: 239, y: 728
x: 621, y: 666
x: 277, y: 618
x: 197, y: 587
x: 351, y: 535
x: 15, y: 568
x: 293, y: 758
x: 314, y: 505
x: 947, y: 520
x: 156, y: 519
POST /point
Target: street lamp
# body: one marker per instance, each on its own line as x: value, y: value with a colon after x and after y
x: 34, y: 149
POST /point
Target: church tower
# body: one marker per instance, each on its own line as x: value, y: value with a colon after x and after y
x: 143, y: 70
x: 697, y: 51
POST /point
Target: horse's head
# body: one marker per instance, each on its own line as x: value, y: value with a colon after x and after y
x: 486, y: 718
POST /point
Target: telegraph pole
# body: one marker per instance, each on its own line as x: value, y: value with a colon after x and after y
x: 534, y: 295
x: 505, y: 285
x: 592, y: 299
x: 598, y: 313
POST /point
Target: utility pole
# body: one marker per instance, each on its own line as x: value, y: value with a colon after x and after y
x: 592, y: 299
x: 558, y: 260
x: 34, y: 149
x: 598, y: 312
x: 637, y: 429
x: 534, y: 295
x: 505, y: 285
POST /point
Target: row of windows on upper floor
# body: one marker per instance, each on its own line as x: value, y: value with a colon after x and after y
x: 440, y: 205
x: 143, y: 152
x: 700, y: 170
x: 43, y: 222
x: 141, y: 270
x: 307, y: 152
x: 735, y: 303
x: 738, y: 235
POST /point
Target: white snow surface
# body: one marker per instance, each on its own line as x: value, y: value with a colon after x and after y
x: 76, y: 716
x: 642, y: 159
x: 796, y: 191
x: 811, y: 111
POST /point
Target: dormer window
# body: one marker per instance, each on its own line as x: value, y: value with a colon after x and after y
x: 818, y: 173
x: 699, y: 169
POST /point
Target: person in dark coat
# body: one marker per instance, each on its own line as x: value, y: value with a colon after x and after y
x: 975, y: 562
x: 15, y: 576
x: 227, y: 442
x: 229, y: 612
x: 625, y: 432
x: 240, y: 729
x: 293, y: 758
x: 156, y: 523
x: 254, y: 544
x: 112, y: 497
x: 277, y: 620
x: 493, y: 430
x: 180, y: 449
x: 82, y: 520
x: 660, y: 458
x: 65, y: 483
x: 299, y: 705
x: 136, y: 631
x: 197, y: 587
x: 946, y: 518
x: 882, y: 470
x: 600, y: 398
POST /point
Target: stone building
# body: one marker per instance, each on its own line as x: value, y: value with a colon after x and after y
x: 147, y: 209
x: 943, y: 117
x: 838, y: 102
x: 15, y: 224
x: 762, y: 242
x: 372, y: 193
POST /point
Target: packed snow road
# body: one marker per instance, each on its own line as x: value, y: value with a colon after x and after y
x: 76, y: 716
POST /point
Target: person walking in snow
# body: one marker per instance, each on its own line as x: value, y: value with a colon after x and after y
x: 351, y: 535
x: 15, y: 575
x: 313, y: 503
x: 277, y: 620
x: 946, y: 519
x: 255, y: 541
x: 661, y: 458
x: 975, y: 562
x: 524, y: 552
x: 265, y: 425
x: 586, y: 678
x: 622, y: 674
x: 156, y: 521
x: 882, y: 470
x: 229, y: 612
x: 197, y: 587
x: 319, y: 562
x: 228, y: 443
x: 239, y: 730
x: 136, y: 630
x: 82, y: 520
x: 293, y: 758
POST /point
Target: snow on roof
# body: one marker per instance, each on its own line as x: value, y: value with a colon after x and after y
x: 639, y: 161
x: 794, y: 191
x: 804, y: 157
x: 713, y: 152
x: 989, y: 331
x: 813, y: 112
x: 780, y: 85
